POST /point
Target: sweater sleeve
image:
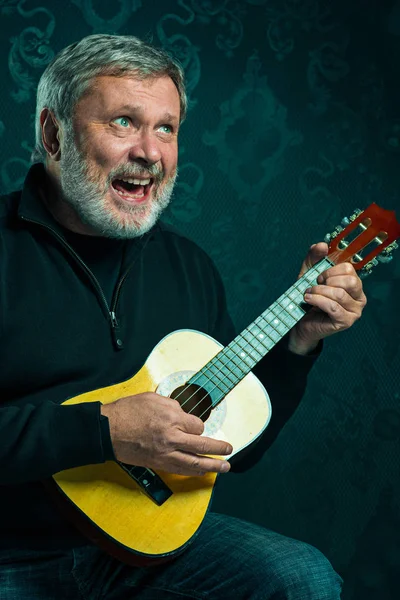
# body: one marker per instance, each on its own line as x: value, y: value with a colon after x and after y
x: 282, y: 372
x: 39, y: 441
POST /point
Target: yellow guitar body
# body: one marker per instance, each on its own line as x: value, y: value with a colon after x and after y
x: 106, y: 496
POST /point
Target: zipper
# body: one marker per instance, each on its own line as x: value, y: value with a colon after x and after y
x: 118, y: 343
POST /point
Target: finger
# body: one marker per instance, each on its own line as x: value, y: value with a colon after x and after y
x: 315, y: 254
x: 340, y: 317
x: 338, y: 294
x: 352, y: 285
x: 340, y: 269
x: 185, y: 463
x: 192, y: 424
x: 204, y: 445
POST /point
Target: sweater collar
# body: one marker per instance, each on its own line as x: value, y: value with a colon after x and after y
x: 31, y: 205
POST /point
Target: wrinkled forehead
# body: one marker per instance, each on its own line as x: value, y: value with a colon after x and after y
x: 107, y: 93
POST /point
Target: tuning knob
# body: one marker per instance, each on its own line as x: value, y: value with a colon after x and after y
x: 384, y: 258
x: 386, y: 255
x: 345, y: 222
x: 367, y: 269
x: 372, y: 263
x: 364, y: 273
x: 356, y: 212
x: 335, y: 232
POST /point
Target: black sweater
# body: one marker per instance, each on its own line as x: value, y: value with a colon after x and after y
x: 58, y: 291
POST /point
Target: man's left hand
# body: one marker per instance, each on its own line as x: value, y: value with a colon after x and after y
x: 338, y: 301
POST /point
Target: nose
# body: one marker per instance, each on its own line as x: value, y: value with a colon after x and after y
x: 145, y: 149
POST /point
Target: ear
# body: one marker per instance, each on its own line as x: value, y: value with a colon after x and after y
x: 50, y: 134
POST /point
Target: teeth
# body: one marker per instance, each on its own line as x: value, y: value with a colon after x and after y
x: 137, y: 181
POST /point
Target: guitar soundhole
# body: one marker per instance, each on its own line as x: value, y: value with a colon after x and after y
x: 193, y: 399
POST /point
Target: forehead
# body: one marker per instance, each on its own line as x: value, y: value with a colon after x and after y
x: 107, y: 93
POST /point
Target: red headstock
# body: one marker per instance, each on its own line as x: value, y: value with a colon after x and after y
x: 367, y: 234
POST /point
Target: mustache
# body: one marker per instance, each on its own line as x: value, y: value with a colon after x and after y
x: 130, y: 171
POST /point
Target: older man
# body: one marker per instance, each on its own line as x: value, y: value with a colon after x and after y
x: 91, y: 281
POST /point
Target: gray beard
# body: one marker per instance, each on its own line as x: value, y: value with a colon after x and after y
x: 87, y: 197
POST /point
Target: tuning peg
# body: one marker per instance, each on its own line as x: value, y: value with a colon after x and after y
x: 330, y: 236
x: 356, y: 212
x: 384, y: 258
x: 345, y: 222
x: 386, y: 255
x: 367, y: 269
x: 364, y: 273
x: 371, y: 264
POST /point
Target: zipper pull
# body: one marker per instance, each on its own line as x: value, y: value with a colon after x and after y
x: 114, y: 329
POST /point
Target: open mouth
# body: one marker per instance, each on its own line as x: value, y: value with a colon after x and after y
x: 132, y: 188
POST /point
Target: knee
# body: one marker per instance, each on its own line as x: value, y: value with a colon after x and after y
x: 304, y: 573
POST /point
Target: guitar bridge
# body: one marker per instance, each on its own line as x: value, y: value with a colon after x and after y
x: 149, y: 482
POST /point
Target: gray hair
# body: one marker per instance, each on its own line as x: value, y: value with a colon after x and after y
x: 71, y: 71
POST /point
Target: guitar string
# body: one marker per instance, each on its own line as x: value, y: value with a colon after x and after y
x: 139, y: 477
x: 248, y: 344
x: 227, y: 366
x: 283, y: 310
x: 312, y: 271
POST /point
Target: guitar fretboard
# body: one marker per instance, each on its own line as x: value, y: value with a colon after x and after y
x: 233, y: 362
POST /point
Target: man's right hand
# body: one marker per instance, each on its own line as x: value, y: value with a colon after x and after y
x: 149, y: 430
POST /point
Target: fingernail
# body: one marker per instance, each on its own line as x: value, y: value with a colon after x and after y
x: 225, y: 467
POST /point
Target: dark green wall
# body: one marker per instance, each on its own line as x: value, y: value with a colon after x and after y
x: 294, y: 121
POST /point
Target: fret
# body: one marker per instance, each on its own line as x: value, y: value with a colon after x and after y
x: 296, y: 312
x: 248, y: 348
x: 219, y: 376
x: 232, y: 356
x: 282, y: 302
x: 258, y: 332
x: 231, y: 378
x: 267, y: 316
x: 279, y: 325
x: 255, y: 341
x: 266, y: 341
x: 294, y: 295
x: 289, y: 320
x: 311, y: 276
x: 246, y: 356
x: 249, y: 337
x: 274, y: 334
x: 286, y: 314
x: 229, y: 372
x: 237, y: 359
x: 271, y: 332
x: 302, y: 285
x: 222, y: 365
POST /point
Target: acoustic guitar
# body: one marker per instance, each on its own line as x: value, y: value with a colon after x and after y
x: 142, y: 517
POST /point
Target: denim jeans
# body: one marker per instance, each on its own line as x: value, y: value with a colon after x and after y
x: 230, y: 559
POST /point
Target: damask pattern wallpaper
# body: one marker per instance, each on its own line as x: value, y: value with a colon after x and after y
x: 293, y: 122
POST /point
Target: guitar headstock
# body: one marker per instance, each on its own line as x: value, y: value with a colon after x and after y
x: 366, y: 238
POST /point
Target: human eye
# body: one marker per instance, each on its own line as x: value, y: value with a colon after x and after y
x: 169, y: 127
x: 124, y: 120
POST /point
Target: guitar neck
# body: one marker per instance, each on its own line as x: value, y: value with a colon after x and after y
x: 238, y: 358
